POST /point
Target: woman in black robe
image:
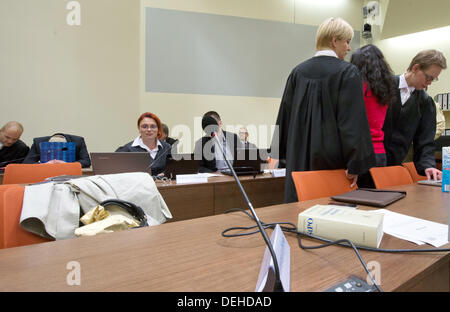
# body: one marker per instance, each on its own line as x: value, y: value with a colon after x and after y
x: 322, y: 121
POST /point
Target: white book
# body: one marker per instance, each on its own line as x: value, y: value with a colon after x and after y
x: 361, y: 227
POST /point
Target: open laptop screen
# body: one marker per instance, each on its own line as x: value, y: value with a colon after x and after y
x: 120, y: 162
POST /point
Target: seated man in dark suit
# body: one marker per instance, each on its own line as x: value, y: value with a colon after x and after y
x: 165, y: 135
x: 210, y: 157
x: 243, y: 135
x: 81, y: 152
x: 12, y: 150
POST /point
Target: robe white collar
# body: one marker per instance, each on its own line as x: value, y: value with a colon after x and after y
x: 326, y: 53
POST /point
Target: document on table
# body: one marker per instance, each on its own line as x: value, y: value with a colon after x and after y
x: 209, y: 175
x: 276, y: 172
x: 195, y: 178
x: 413, y: 229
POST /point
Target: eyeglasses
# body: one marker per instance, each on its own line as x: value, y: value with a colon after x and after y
x: 429, y: 78
x: 149, y: 126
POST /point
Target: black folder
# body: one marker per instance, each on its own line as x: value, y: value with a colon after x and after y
x: 371, y: 197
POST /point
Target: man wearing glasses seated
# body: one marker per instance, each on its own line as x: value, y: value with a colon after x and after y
x: 411, y: 119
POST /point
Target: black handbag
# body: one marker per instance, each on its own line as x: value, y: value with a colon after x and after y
x: 131, y: 208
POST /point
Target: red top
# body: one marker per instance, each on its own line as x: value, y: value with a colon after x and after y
x: 376, y: 113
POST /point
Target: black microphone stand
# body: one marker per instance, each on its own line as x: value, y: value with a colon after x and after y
x: 278, y: 287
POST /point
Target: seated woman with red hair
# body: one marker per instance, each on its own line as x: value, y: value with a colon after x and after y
x: 150, y: 130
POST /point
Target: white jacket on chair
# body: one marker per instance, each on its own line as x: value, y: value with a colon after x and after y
x: 52, y: 210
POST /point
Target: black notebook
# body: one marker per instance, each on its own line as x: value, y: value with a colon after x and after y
x: 241, y: 171
x: 371, y: 197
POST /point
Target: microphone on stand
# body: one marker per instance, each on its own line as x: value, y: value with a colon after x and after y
x: 211, y: 127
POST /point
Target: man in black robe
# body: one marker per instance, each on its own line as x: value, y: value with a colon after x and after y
x: 412, y: 118
x: 322, y: 120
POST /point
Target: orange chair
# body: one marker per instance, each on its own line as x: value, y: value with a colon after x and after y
x: 384, y: 177
x: 321, y: 183
x: 32, y: 173
x: 11, y: 233
x: 413, y: 172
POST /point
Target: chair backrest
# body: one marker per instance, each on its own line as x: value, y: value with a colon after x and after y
x: 320, y: 183
x: 413, y: 172
x: 32, y: 173
x: 384, y: 177
x: 11, y: 234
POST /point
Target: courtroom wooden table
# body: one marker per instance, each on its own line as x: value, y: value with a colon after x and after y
x: 192, y: 256
x: 188, y: 201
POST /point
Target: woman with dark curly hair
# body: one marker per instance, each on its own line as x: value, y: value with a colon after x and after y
x: 379, y: 90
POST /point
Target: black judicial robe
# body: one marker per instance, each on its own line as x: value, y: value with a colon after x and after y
x: 322, y: 121
x: 414, y: 122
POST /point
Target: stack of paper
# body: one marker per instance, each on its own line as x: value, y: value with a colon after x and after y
x: 413, y: 229
x: 195, y: 178
x: 191, y: 178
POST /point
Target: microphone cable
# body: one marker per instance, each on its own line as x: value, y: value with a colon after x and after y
x: 209, y: 121
x: 292, y: 228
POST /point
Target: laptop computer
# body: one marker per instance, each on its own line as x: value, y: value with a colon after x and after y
x: 246, y: 162
x: 431, y: 182
x: 181, y: 164
x: 120, y: 162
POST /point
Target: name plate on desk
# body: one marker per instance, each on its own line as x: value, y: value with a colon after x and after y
x: 279, y: 173
x: 266, y: 278
x: 191, y: 178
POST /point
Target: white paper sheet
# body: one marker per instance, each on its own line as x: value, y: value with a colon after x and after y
x: 413, y: 229
x: 191, y: 178
x: 282, y: 251
x: 209, y: 175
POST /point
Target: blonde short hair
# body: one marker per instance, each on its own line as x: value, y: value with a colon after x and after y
x: 333, y: 27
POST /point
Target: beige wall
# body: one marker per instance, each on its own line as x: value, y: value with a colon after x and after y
x: 81, y: 80
x: 89, y: 79
x: 402, y: 17
x: 181, y: 111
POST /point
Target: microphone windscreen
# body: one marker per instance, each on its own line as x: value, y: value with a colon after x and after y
x: 210, y: 125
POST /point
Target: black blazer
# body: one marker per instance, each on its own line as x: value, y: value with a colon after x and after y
x: 81, y: 152
x: 171, y: 141
x: 13, y: 154
x: 158, y: 164
x: 207, y: 163
x: 414, y: 122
